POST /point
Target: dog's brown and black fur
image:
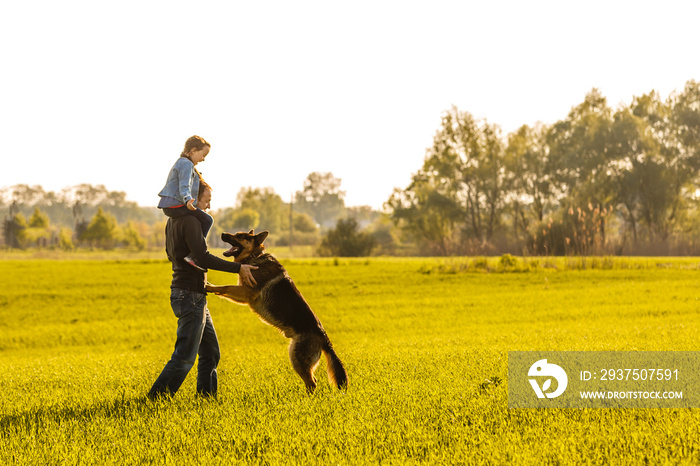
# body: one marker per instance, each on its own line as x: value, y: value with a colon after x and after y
x: 278, y: 302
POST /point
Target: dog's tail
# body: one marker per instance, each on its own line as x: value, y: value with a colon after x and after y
x: 336, y: 371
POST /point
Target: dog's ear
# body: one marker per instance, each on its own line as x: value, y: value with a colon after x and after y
x: 260, y: 237
x: 251, y: 232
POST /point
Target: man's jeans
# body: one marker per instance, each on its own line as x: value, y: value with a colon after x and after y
x: 195, y: 336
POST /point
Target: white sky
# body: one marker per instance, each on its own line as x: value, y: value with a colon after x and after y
x: 107, y: 92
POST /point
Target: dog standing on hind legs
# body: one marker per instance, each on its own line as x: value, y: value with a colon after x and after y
x: 278, y: 302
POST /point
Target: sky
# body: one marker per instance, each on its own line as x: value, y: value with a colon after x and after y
x: 107, y: 93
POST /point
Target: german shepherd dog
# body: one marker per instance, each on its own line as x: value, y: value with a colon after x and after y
x: 278, y: 302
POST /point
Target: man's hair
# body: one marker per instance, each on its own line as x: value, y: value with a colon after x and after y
x: 203, y: 186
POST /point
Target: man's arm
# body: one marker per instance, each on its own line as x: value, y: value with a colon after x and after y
x: 198, y: 248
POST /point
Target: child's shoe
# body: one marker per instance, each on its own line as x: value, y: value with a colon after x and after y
x: 190, y: 260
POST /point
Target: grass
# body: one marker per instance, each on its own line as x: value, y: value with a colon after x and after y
x: 282, y: 252
x: 424, y: 341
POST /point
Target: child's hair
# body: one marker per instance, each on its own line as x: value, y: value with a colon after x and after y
x: 196, y: 143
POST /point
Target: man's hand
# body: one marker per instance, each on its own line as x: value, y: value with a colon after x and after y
x: 246, y: 276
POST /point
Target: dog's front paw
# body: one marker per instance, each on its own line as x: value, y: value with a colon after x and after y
x: 210, y: 288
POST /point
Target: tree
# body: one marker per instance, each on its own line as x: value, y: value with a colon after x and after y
x: 685, y: 117
x: 24, y: 194
x: 635, y: 154
x: 364, y: 214
x: 132, y: 237
x: 578, y: 146
x: 386, y: 236
x: 15, y: 230
x: 38, y: 219
x: 101, y: 230
x: 304, y: 231
x: 268, y: 204
x: 527, y: 173
x: 582, y: 158
x: 38, y: 231
x: 467, y: 158
x: 345, y: 240
x: 660, y: 159
x: 462, y: 182
x: 427, y: 213
x: 235, y: 220
x: 321, y: 198
x: 88, y: 194
x: 303, y: 223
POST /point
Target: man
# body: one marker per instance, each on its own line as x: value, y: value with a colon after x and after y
x: 195, y: 329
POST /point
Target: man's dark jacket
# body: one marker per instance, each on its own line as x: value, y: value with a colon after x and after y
x: 183, y: 236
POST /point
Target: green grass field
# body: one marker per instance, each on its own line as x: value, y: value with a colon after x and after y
x: 425, y: 343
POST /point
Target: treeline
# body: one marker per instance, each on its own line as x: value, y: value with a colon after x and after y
x: 600, y: 181
x: 92, y: 216
x: 317, y: 217
x: 82, y: 215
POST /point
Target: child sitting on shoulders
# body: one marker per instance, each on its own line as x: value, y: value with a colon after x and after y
x: 179, y: 196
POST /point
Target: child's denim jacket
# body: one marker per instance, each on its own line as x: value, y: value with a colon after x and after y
x: 181, y: 186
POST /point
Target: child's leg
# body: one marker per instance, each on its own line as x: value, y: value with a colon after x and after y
x: 205, y: 219
x: 175, y: 212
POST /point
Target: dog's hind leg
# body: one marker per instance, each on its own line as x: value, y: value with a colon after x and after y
x: 304, y: 354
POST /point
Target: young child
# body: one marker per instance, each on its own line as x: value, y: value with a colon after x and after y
x: 179, y: 196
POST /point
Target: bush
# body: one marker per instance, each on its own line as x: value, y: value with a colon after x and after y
x: 507, y: 261
x: 132, y: 237
x: 65, y: 240
x: 346, y: 241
